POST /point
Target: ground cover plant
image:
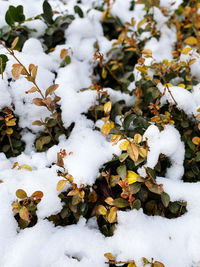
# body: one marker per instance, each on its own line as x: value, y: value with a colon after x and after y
x: 99, y: 133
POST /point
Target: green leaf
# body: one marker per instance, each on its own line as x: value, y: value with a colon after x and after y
x: 48, y: 14
x: 79, y: 11
x: 151, y: 172
x: 121, y: 170
x: 136, y: 204
x: 8, y: 17
x: 121, y: 203
x: 135, y: 188
x: 14, y: 14
x: 174, y: 207
x: 19, y: 17
x: 165, y: 199
x: 3, y: 59
x: 197, y: 156
x: 67, y: 60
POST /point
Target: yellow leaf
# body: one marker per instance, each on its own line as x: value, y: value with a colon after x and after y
x: 14, y: 43
x: 137, y: 138
x: 186, y: 50
x: 142, y: 152
x: 11, y: 122
x: 147, y: 51
x: 107, y: 127
x: 133, y: 152
x: 15, y: 165
x: 104, y: 73
x: 131, y: 49
x: 109, y: 256
x: 168, y: 84
x: 192, y: 61
x: 131, y: 264
x: 109, y: 201
x: 115, y: 67
x: 190, y: 40
x: 123, y: 145
x: 101, y: 210
x: 141, y: 23
x: 20, y: 193
x: 61, y: 184
x: 9, y: 131
x: 81, y: 194
x: 142, y: 69
x: 112, y: 215
x: 196, y: 140
x: 107, y: 107
x: 69, y: 177
x: 132, y: 177
x: 115, y: 138
x: 104, y: 14
x: 158, y: 264
x: 181, y: 85
x: 25, y: 167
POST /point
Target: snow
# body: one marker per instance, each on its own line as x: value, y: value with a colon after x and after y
x: 183, y: 98
x: 174, y: 242
x: 167, y: 142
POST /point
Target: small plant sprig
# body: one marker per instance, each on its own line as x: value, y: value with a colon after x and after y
x: 10, y: 138
x: 77, y: 192
x: 45, y: 99
x: 8, y: 121
x: 25, y: 209
x: 131, y: 145
x: 111, y: 260
x: 68, y: 178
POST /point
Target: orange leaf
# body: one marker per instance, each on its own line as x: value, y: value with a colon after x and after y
x: 32, y: 90
x: 24, y: 214
x: 16, y: 71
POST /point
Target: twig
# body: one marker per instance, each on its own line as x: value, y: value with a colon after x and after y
x: 115, y: 77
x: 168, y: 88
x: 11, y: 52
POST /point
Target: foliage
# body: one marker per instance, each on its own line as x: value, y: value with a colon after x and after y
x: 16, y: 26
x: 129, y: 68
x: 113, y: 263
x: 25, y: 208
x: 10, y: 138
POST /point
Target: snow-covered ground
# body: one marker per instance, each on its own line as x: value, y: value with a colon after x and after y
x: 175, y: 242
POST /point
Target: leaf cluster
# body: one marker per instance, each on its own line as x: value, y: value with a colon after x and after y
x: 25, y: 208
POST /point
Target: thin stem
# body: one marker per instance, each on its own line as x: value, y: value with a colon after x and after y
x: 168, y: 88
x: 120, y: 132
x: 11, y: 146
x: 115, y: 77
